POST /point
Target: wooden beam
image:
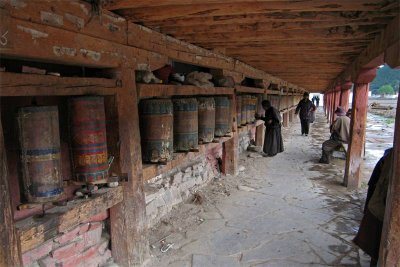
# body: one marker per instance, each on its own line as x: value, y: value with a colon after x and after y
x: 18, y: 84
x: 10, y: 250
x: 128, y: 218
x: 160, y: 90
x: 249, y: 90
x: 390, y: 243
x: 157, y: 13
x: 60, y: 219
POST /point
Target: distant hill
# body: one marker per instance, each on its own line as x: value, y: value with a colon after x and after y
x: 386, y: 75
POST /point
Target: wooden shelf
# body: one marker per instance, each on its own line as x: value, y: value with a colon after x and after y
x: 154, y: 90
x: 250, y: 126
x: 21, y: 84
x: 272, y: 92
x: 152, y: 170
x: 250, y: 90
x: 33, y: 231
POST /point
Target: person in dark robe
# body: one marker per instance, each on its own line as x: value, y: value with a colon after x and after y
x: 369, y: 234
x: 273, y: 143
x: 317, y: 100
x: 305, y: 107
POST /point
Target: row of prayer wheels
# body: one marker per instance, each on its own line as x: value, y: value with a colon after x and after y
x: 39, y: 138
x: 181, y: 124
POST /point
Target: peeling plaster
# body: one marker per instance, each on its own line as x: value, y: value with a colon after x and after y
x: 61, y: 51
x: 91, y: 54
x: 34, y: 33
x: 18, y: 3
x: 51, y: 18
x: 83, y: 7
x: 77, y: 21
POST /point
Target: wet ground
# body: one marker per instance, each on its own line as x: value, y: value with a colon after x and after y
x: 287, y: 210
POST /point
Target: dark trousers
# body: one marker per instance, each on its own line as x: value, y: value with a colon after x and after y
x: 327, y: 147
x: 305, y: 126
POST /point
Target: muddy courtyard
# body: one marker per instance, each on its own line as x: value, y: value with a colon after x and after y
x: 287, y: 210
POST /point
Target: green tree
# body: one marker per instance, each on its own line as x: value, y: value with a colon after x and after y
x: 386, y: 90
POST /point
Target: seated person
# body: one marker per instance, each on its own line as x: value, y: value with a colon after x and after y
x: 340, y: 133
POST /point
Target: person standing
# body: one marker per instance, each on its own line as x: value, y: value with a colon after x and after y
x: 305, y: 107
x: 273, y: 143
x: 340, y: 133
x: 317, y: 100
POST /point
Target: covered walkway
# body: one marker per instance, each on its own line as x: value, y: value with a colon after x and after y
x: 282, y: 211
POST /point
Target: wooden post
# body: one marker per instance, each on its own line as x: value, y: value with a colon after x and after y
x: 389, y: 254
x: 260, y: 135
x: 335, y: 101
x: 357, y: 128
x: 10, y: 252
x: 285, y: 119
x: 230, y: 148
x: 291, y: 115
x: 128, y: 218
x: 344, y: 95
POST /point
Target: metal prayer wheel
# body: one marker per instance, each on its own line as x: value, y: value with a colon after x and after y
x: 249, y: 109
x: 239, y: 110
x: 252, y: 107
x: 88, y: 139
x: 39, y: 139
x: 206, y: 107
x: 230, y: 120
x: 222, y: 116
x: 186, y: 125
x: 156, y: 127
x: 244, y: 109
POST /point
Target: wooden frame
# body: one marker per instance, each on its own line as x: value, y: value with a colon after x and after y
x: 161, y: 90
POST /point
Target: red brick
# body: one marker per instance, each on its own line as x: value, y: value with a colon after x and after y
x: 47, y: 262
x: 80, y: 259
x: 99, y: 217
x: 93, y: 236
x: 39, y: 252
x: 84, y: 228
x: 68, y: 250
x: 67, y: 237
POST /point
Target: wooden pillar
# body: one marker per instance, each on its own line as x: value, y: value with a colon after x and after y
x: 291, y: 115
x: 390, y: 243
x: 335, y: 101
x: 357, y: 128
x: 344, y: 95
x: 230, y: 148
x: 128, y: 218
x: 10, y: 251
x: 285, y: 119
x: 260, y: 135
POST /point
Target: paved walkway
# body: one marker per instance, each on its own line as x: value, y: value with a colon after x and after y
x: 282, y: 211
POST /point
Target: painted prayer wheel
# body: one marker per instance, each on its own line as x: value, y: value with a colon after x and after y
x: 244, y: 109
x: 206, y: 107
x: 252, y: 108
x: 222, y: 116
x: 239, y: 110
x: 39, y: 138
x: 249, y: 108
x: 230, y: 121
x: 156, y: 127
x: 88, y: 139
x: 186, y: 125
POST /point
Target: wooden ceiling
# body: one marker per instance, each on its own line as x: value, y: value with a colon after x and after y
x: 306, y: 42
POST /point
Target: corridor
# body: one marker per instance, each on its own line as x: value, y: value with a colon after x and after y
x: 282, y: 211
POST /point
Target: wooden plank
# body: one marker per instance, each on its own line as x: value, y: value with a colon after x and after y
x: 158, y: 90
x: 18, y: 84
x: 389, y: 254
x: 230, y: 156
x: 128, y: 228
x: 34, y: 231
x: 260, y: 135
x: 75, y: 16
x: 250, y: 90
x: 152, y: 170
x: 10, y: 251
x: 352, y: 178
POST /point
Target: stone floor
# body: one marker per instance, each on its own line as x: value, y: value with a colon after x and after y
x: 287, y: 210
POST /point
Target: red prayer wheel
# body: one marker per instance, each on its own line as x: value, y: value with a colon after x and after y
x: 39, y: 138
x: 89, y: 140
x: 206, y: 107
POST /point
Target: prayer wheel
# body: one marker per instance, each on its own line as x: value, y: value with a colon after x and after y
x: 252, y: 107
x: 156, y: 127
x: 39, y: 138
x: 239, y: 110
x: 206, y: 107
x: 222, y: 116
x: 88, y: 139
x: 244, y: 109
x: 249, y: 109
x: 260, y: 110
x: 230, y: 121
x: 186, y: 125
